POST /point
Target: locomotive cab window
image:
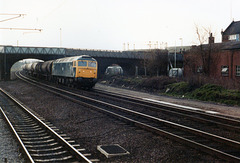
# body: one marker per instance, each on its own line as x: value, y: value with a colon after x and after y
x: 92, y: 64
x: 74, y: 63
x: 82, y: 63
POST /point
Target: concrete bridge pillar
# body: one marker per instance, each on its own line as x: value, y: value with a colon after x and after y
x: 2, y: 66
x: 5, y: 67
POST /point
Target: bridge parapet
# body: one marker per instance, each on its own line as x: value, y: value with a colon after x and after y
x: 31, y: 50
x: 106, y: 53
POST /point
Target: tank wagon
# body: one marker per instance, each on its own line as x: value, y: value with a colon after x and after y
x: 28, y: 68
x: 77, y: 71
x: 114, y: 70
x: 44, y: 69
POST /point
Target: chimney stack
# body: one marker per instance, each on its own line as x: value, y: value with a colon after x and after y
x: 211, y: 39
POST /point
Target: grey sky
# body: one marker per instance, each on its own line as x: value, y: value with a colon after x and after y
x: 107, y: 24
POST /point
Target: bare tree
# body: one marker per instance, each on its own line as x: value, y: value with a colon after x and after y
x: 157, y: 62
x: 207, y: 52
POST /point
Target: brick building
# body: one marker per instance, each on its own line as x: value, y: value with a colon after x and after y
x: 217, y: 60
x: 232, y: 32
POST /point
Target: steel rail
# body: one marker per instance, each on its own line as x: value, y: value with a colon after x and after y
x: 178, y: 108
x: 193, y: 115
x: 191, y: 130
x: 29, y: 157
x: 71, y: 149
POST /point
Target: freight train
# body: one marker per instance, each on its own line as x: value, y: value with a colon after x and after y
x: 77, y: 71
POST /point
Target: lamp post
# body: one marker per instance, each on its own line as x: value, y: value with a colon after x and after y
x: 60, y: 37
x: 175, y: 56
x: 181, y: 41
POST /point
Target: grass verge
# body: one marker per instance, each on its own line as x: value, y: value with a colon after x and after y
x: 176, y: 87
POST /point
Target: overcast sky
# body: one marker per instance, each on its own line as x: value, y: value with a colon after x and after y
x: 107, y: 24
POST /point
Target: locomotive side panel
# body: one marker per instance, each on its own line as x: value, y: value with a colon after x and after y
x: 64, y: 69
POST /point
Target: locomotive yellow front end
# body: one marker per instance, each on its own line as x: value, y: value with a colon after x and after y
x: 86, y: 71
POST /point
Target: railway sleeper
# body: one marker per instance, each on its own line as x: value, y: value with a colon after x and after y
x: 62, y: 134
x: 28, y: 121
x: 81, y: 149
x: 27, y: 125
x: 31, y: 135
x: 52, y: 126
x: 48, y: 123
x: 39, y: 141
x: 66, y: 138
x: 55, y: 129
x: 45, y: 149
x: 69, y: 140
x: 27, y: 118
x: 66, y: 158
x: 55, y: 144
x: 87, y: 154
x: 37, y: 138
x: 94, y: 160
x: 28, y: 129
x: 49, y: 153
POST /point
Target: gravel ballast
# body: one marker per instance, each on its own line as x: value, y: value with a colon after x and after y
x: 9, y: 149
x: 90, y: 128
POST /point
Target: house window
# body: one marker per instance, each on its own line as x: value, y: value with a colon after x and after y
x: 233, y: 37
x: 199, y: 69
x: 224, y: 70
x: 237, y: 70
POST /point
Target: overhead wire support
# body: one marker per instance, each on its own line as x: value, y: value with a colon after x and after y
x: 23, y: 29
x: 18, y: 16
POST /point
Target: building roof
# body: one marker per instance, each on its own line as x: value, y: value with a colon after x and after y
x: 233, y: 28
x: 232, y: 45
x: 75, y: 58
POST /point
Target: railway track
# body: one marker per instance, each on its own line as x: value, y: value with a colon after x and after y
x: 38, y: 139
x: 188, y: 113
x: 219, y: 146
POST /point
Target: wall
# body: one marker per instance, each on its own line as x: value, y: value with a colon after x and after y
x: 221, y: 58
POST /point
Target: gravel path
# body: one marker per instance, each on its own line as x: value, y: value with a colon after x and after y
x: 90, y: 128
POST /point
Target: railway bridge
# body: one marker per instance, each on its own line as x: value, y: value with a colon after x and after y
x: 9, y: 55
